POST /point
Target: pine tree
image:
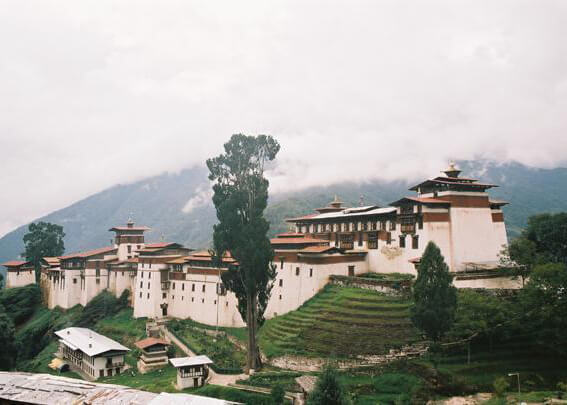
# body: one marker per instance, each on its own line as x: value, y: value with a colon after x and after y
x: 240, y: 198
x: 434, y: 295
x: 328, y: 390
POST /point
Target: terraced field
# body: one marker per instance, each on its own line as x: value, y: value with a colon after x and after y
x: 340, y: 322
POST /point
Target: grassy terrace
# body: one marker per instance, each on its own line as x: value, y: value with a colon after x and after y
x: 340, y: 322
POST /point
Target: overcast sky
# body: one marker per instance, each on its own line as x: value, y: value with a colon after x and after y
x: 94, y: 93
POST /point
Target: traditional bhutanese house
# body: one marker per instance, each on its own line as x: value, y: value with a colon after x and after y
x: 19, y: 273
x: 153, y: 354
x: 91, y: 354
x: 454, y: 212
x: 81, y: 277
x: 191, y: 371
x: 196, y: 290
x: 304, y: 264
x: 152, y: 281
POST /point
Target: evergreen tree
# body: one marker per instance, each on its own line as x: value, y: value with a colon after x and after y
x: 240, y: 198
x: 328, y: 390
x: 43, y: 239
x: 435, y: 298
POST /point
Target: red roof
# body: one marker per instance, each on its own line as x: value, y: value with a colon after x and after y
x: 144, y: 343
x: 89, y: 253
x: 298, y: 241
x: 158, y: 244
x: 14, y: 263
x: 317, y: 249
x: 288, y: 234
x: 126, y: 228
x: 303, y: 217
x: 423, y: 200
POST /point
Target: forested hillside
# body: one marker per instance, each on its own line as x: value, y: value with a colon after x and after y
x: 159, y: 203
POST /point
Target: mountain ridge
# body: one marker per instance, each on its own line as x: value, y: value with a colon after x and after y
x: 178, y: 208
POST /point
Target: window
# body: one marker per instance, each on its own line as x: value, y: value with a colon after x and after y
x: 141, y: 284
x: 173, y: 286
x: 129, y: 249
x: 365, y: 226
x: 148, y: 295
x: 164, y: 295
x: 149, y: 272
x: 280, y: 296
x: 420, y: 222
x: 215, y: 302
x: 389, y: 238
x: 351, y: 271
x: 148, y: 286
x: 355, y: 226
x: 297, y: 271
x: 192, y: 299
x: 122, y: 273
x: 182, y: 286
x: 360, y: 238
x: 281, y: 282
x: 140, y: 294
x: 193, y: 287
x: 402, y: 241
x: 332, y: 228
x: 150, y: 261
x: 415, y: 242
x: 202, y: 300
x: 226, y: 304
x: 281, y: 263
x: 138, y: 247
x: 347, y: 226
x: 98, y: 280
x: 374, y: 225
x: 74, y: 281
x: 393, y: 225
x: 310, y: 272
x: 203, y: 287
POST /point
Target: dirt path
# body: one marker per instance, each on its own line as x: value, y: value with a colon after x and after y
x: 215, y: 378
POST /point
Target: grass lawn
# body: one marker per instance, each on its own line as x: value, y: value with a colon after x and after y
x: 340, y: 322
x: 219, y: 348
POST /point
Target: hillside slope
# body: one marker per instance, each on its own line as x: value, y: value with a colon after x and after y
x: 158, y: 202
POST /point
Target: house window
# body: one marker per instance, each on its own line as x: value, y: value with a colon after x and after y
x: 280, y: 297
x: 164, y: 295
x: 98, y: 280
x: 193, y: 287
x: 281, y: 263
x: 281, y: 282
x: 393, y: 225
x: 74, y: 281
x: 420, y: 222
x: 141, y: 284
x: 355, y: 226
x: 150, y: 261
x: 415, y: 242
x: 360, y: 239
x: 310, y: 272
x: 138, y: 247
x: 202, y: 300
x: 148, y: 286
x: 203, y: 287
x: 215, y: 302
x: 192, y: 299
x: 149, y: 272
x: 140, y: 294
x: 351, y: 271
x: 297, y: 271
x: 129, y: 249
x: 182, y: 286
x: 122, y: 273
x: 347, y: 226
x: 389, y: 238
x: 148, y: 295
x: 332, y: 228
x: 173, y: 286
x: 402, y: 241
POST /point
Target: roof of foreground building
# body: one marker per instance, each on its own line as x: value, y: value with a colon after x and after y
x: 27, y: 388
x: 88, y: 341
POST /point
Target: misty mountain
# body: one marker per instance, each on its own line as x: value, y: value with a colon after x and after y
x: 178, y: 206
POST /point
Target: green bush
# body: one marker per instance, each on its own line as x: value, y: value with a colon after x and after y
x: 103, y: 305
x: 501, y: 385
x: 21, y: 302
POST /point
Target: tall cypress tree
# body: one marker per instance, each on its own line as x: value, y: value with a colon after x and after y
x: 240, y: 198
x: 435, y: 297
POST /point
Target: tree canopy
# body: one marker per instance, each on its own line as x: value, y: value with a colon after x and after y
x: 7, y: 342
x: 43, y: 239
x: 20, y: 302
x: 240, y: 198
x: 434, y: 294
x: 328, y: 390
x: 549, y: 233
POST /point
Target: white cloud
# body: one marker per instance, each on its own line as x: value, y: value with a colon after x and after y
x: 202, y: 198
x: 96, y: 93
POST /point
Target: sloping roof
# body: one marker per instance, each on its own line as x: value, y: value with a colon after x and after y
x: 453, y: 183
x: 294, y: 241
x: 89, y: 253
x: 158, y: 245
x: 88, y: 341
x: 190, y: 361
x: 142, y: 344
x: 127, y: 228
x: 318, y: 249
x: 51, y: 260
x: 14, y: 263
x: 28, y: 388
x: 347, y: 213
x: 423, y: 200
x: 497, y: 202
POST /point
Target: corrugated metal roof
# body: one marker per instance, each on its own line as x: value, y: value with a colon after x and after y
x: 190, y: 361
x: 56, y: 390
x: 88, y: 341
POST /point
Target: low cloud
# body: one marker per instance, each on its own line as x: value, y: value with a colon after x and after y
x: 202, y: 198
x: 113, y: 93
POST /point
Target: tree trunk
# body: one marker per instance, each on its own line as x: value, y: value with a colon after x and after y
x: 250, y: 326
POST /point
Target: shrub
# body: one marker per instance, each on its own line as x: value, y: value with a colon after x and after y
x: 277, y: 395
x: 21, y: 302
x: 103, y: 305
x: 501, y: 385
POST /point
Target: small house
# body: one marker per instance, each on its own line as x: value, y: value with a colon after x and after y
x: 91, y: 354
x: 191, y: 371
x: 153, y: 354
x: 19, y: 273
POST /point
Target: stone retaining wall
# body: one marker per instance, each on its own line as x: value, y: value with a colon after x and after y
x: 387, y: 287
